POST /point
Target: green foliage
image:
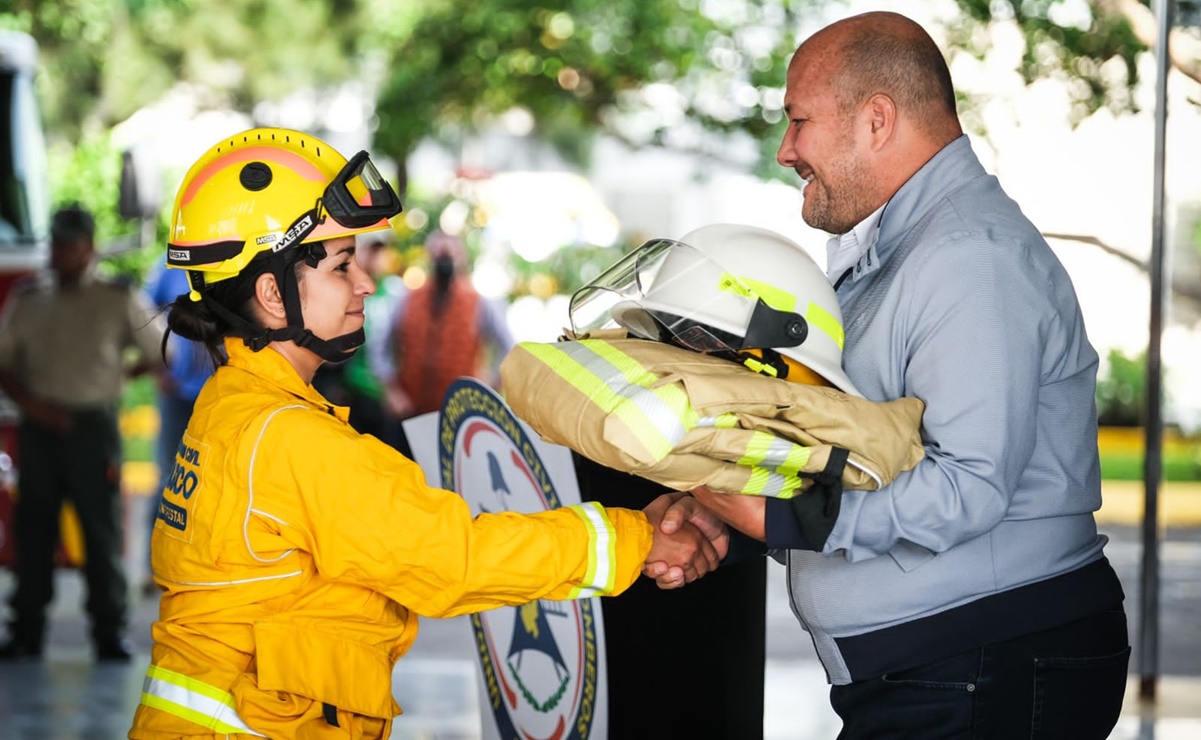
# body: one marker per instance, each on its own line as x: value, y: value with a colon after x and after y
x: 1078, y: 55
x: 1122, y: 390
x: 89, y: 173
x: 1181, y: 463
x: 689, y: 74
x: 694, y: 75
x: 104, y: 59
x: 575, y: 65
x: 139, y: 391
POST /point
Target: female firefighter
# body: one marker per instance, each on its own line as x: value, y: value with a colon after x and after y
x: 295, y: 554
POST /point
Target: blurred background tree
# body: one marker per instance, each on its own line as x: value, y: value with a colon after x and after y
x: 702, y: 76
x: 1122, y: 390
x: 699, y: 76
x: 445, y: 66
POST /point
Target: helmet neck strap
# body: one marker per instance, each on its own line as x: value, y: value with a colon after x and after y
x: 337, y: 350
x: 282, y: 266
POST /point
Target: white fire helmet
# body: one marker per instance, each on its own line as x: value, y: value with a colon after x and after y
x: 724, y: 289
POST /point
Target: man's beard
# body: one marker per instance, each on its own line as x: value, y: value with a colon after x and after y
x: 838, y: 207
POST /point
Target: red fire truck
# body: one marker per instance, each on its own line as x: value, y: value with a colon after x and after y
x: 24, y: 222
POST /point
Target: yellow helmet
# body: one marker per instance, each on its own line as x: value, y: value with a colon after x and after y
x: 268, y: 189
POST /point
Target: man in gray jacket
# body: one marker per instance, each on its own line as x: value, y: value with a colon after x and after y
x: 971, y: 597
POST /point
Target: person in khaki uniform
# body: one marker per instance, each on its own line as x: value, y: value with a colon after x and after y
x: 295, y: 554
x: 63, y: 342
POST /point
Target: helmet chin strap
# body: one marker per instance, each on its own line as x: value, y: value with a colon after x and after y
x: 337, y: 350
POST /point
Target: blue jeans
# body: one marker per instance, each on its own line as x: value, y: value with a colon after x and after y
x: 1065, y: 682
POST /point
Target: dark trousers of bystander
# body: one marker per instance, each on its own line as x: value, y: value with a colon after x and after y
x: 1060, y: 683
x: 688, y: 662
x: 83, y: 466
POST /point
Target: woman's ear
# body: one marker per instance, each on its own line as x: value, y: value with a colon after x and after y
x: 267, y: 295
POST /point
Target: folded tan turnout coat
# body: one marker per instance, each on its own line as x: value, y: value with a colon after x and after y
x: 684, y: 419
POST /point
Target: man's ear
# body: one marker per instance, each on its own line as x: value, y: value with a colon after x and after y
x: 881, y: 112
x: 266, y: 293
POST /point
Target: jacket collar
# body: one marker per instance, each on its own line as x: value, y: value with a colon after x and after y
x: 274, y: 368
x: 950, y: 169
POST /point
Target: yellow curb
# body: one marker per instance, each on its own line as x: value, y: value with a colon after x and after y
x: 1175, y: 697
x: 1123, y: 502
x: 139, y: 478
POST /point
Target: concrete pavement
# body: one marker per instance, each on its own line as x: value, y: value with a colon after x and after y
x: 67, y: 697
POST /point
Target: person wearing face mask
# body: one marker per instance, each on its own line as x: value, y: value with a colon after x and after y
x: 441, y: 331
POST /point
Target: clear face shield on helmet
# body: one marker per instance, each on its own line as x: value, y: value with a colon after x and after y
x: 671, y: 292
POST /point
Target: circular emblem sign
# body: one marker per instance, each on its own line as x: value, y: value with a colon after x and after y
x: 539, y: 660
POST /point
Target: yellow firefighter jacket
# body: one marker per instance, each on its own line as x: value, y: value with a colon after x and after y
x: 685, y: 419
x: 295, y: 556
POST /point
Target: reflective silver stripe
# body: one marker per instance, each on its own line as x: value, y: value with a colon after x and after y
x: 625, y: 376
x: 192, y: 700
x: 871, y: 473
x: 602, y: 561
x: 787, y: 458
x: 764, y: 482
x: 235, y: 582
x: 658, y: 417
x: 770, y: 451
x: 721, y: 421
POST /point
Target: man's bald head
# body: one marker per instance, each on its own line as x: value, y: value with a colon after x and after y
x: 884, y: 52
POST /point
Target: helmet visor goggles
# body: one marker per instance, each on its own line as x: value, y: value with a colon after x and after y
x: 359, y: 196
x: 356, y: 198
x: 669, y: 291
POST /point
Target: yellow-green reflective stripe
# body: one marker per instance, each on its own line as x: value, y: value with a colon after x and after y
x: 598, y: 392
x: 642, y: 409
x: 727, y: 283
x: 777, y: 298
x: 824, y: 320
x: 786, y: 458
x: 618, y: 384
x: 769, y: 451
x: 193, y: 700
x: 672, y: 397
x: 756, y: 448
x: 721, y: 421
x: 764, y: 482
x: 602, y: 558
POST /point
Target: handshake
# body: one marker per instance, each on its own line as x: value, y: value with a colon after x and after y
x: 689, y: 540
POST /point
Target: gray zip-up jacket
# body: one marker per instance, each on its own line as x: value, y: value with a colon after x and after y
x: 992, y: 535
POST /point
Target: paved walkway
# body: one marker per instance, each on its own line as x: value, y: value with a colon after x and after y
x: 67, y: 697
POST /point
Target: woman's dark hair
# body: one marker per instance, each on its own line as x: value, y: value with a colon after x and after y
x: 196, y: 320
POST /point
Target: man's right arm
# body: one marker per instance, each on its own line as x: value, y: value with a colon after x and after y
x: 31, y: 406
